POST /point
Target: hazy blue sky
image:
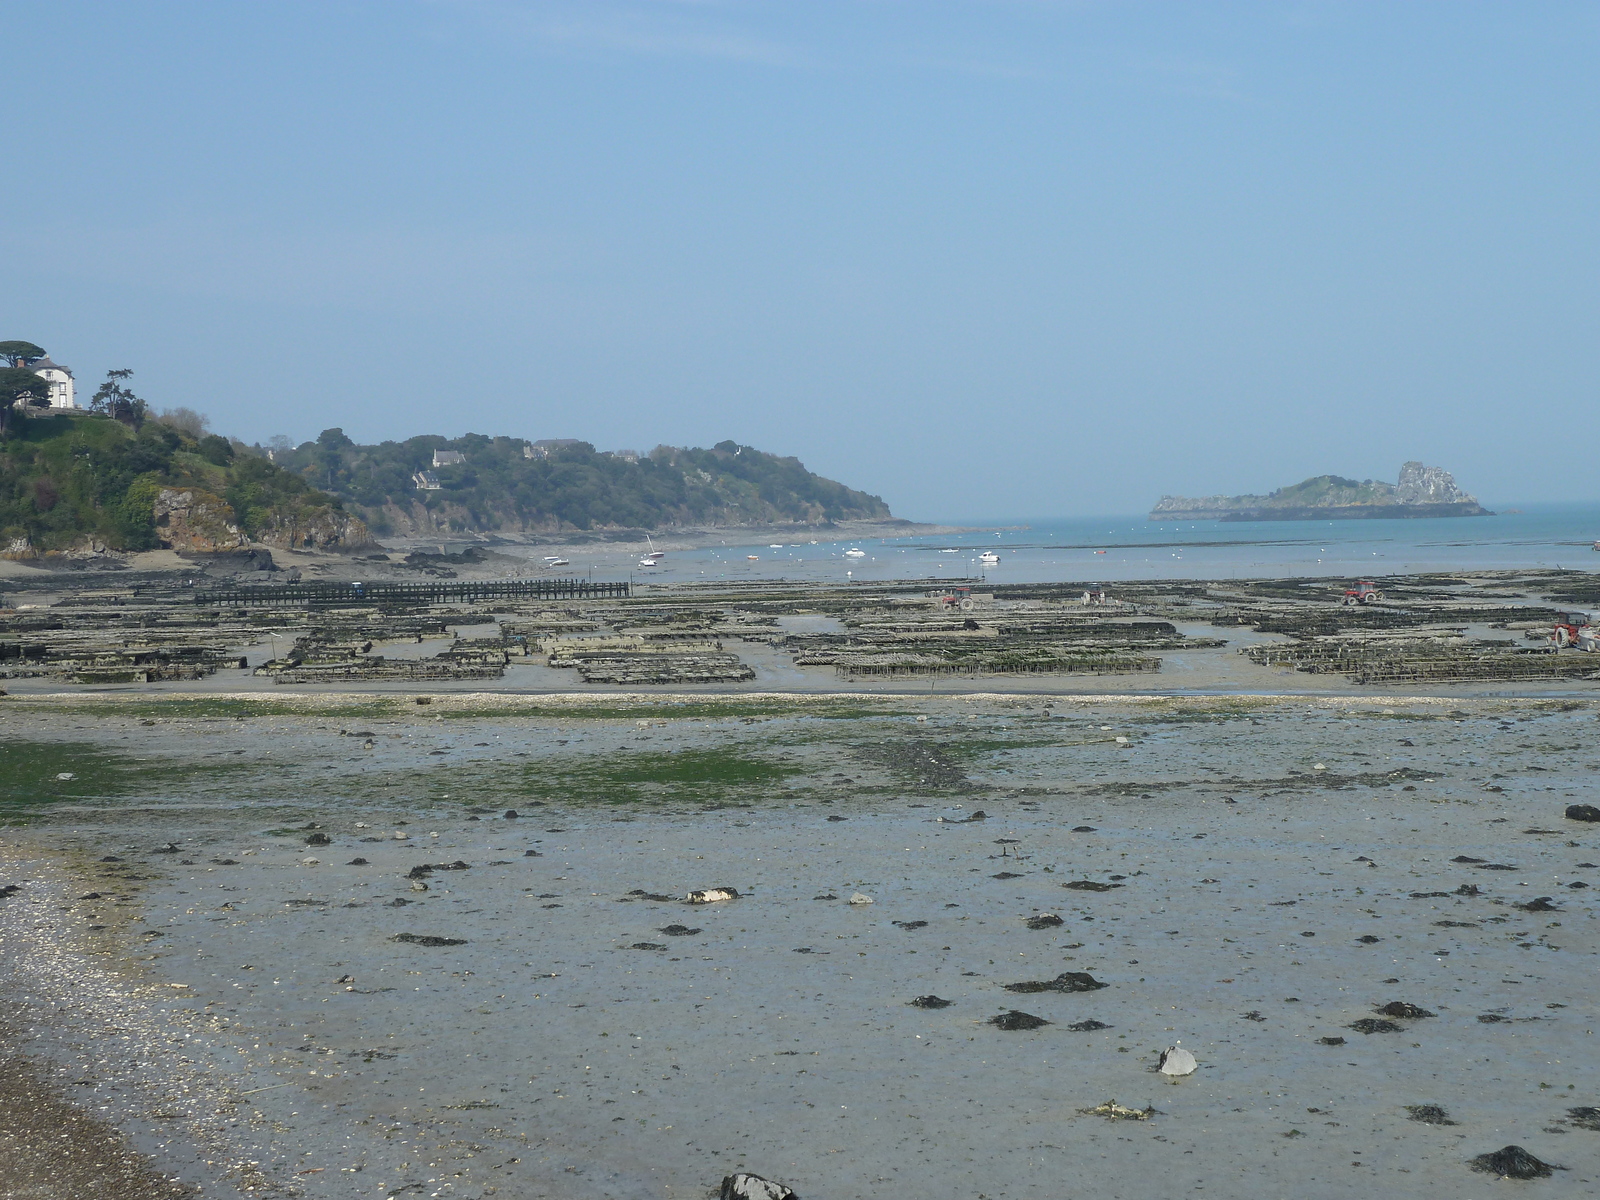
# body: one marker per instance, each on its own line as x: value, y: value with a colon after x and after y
x: 985, y: 257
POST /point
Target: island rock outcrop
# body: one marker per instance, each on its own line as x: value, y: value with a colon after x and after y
x: 1422, y: 491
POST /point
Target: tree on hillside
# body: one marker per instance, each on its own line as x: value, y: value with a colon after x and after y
x: 116, y: 401
x: 196, y: 425
x: 20, y: 354
x: 19, y: 387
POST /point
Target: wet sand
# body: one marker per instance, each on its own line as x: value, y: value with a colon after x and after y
x: 1256, y: 875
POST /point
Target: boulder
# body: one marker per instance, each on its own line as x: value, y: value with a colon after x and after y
x: 1175, y: 1060
x: 744, y: 1186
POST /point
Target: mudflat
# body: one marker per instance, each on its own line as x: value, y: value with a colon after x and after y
x: 364, y: 947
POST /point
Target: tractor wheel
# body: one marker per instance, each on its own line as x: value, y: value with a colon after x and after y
x: 1372, y: 598
x: 1349, y: 600
x: 1563, y: 638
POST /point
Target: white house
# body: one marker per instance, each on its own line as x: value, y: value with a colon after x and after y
x: 425, y: 481
x: 63, y: 390
x: 448, y: 458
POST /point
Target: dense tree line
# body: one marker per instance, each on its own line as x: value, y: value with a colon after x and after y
x: 574, y: 487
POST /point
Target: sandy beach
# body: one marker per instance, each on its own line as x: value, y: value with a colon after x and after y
x: 221, y: 947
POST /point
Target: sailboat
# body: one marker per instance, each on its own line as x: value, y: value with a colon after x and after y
x: 655, y: 557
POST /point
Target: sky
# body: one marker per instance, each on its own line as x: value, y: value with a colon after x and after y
x: 985, y: 258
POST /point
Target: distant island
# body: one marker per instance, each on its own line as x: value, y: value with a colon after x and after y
x: 1421, y: 492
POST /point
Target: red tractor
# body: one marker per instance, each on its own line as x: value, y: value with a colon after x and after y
x: 1573, y: 629
x: 1364, y: 592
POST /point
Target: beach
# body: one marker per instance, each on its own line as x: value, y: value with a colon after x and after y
x: 1249, y: 876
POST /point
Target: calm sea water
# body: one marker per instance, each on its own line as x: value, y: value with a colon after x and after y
x: 1130, y: 548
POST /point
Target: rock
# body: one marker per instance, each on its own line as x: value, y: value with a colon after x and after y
x: 1015, y: 1020
x: 860, y: 898
x: 837, y: 817
x: 931, y: 1002
x: 647, y: 946
x: 310, y: 862
x: 1429, y: 1114
x: 318, y: 839
x: 195, y: 521
x: 68, y: 777
x: 909, y: 924
x: 356, y: 862
x: 1090, y: 885
x: 1399, y: 1008
x: 401, y: 835
x: 531, y: 854
x: 1373, y: 1025
x: 744, y: 1186
x: 1512, y: 1162
x: 1067, y: 981
x: 418, y: 886
x: 511, y: 814
x: 1367, y: 939
x: 1113, y: 1111
x: 712, y: 895
x: 1575, y: 812
x: 427, y: 940
x: 1538, y: 904
x: 679, y: 931
x: 1043, y: 921
x: 1089, y: 1026
x: 1330, y: 1041
x: 169, y: 848
x: 1175, y: 1061
x: 1084, y: 829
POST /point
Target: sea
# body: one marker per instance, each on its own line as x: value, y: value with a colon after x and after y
x: 1093, y: 550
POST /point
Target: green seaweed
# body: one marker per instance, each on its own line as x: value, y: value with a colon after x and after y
x: 684, y: 776
x: 29, y: 773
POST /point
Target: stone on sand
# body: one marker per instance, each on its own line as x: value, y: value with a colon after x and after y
x: 1175, y: 1060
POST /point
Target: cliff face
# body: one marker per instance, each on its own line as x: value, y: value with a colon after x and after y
x: 195, y: 521
x: 1429, y: 485
x: 1423, y: 491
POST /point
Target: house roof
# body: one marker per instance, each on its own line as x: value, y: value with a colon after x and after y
x: 45, y: 364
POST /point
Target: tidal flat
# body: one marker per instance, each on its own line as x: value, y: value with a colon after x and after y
x: 382, y: 949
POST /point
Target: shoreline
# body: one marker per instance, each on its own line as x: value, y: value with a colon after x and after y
x: 778, y: 1036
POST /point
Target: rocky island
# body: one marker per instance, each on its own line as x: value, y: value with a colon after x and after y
x: 1422, y: 491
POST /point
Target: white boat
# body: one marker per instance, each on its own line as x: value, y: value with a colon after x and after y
x: 949, y: 552
x: 753, y: 557
x: 854, y: 553
x: 989, y: 556
x: 775, y: 546
x: 655, y: 557
x: 555, y: 560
